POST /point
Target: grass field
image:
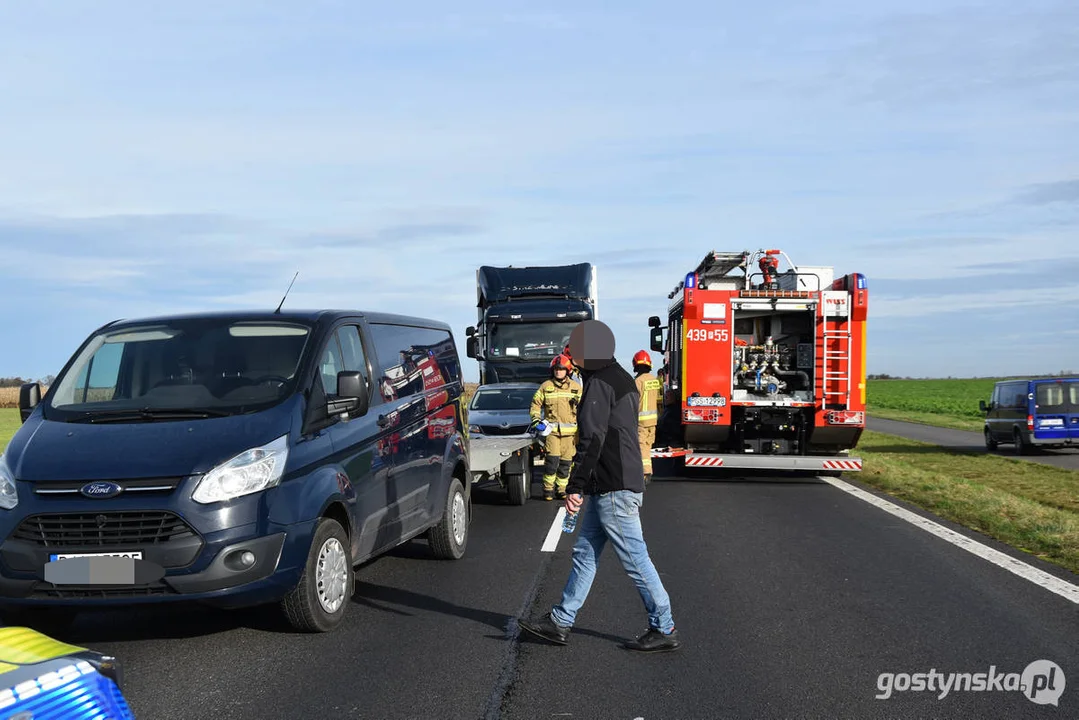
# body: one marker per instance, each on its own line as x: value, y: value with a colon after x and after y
x: 946, y: 403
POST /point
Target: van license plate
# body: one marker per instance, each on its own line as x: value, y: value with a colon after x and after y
x: 135, y: 554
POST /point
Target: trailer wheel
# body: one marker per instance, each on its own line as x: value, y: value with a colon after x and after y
x: 990, y: 443
x: 518, y: 486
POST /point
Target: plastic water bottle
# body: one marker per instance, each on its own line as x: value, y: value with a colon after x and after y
x: 569, y: 523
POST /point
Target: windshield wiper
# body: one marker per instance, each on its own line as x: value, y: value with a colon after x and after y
x: 146, y: 413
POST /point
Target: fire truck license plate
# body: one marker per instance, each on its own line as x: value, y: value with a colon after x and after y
x: 712, y: 401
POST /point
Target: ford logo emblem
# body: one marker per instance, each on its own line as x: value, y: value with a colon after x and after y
x: 101, y: 489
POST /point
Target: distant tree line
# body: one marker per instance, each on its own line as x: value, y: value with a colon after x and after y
x: 8, y: 382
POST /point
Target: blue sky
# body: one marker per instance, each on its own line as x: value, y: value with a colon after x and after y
x: 171, y: 157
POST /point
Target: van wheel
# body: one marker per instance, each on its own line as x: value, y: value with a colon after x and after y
x: 518, y: 487
x: 320, y: 598
x: 449, y: 538
x: 1021, y: 448
x: 990, y: 443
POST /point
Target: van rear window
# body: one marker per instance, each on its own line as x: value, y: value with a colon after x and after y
x: 1057, y: 397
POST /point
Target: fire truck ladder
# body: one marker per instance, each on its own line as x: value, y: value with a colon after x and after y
x: 836, y: 363
x: 717, y: 264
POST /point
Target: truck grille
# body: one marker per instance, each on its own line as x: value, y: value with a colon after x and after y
x: 104, y: 528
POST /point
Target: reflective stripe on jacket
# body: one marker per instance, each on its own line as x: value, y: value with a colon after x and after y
x: 557, y: 403
x: 648, y: 387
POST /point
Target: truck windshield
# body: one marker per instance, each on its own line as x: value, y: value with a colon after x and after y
x: 204, y: 366
x: 529, y: 340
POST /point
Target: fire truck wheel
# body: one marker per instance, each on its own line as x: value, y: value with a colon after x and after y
x: 449, y: 538
x: 517, y: 486
x: 990, y: 443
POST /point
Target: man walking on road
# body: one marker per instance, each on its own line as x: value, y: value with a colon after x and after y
x: 607, y: 468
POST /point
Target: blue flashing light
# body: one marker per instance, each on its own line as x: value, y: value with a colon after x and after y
x: 691, y: 280
x: 64, y: 691
x: 861, y: 281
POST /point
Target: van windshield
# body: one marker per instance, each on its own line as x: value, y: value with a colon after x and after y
x: 181, y: 368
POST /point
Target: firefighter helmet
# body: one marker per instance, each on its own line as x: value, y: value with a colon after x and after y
x: 561, y: 361
x: 641, y: 357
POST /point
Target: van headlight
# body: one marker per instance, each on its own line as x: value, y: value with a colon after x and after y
x: 251, y: 471
x: 9, y: 495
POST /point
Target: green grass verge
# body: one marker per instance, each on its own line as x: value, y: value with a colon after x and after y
x: 9, y: 423
x: 1029, y: 506
x: 929, y: 418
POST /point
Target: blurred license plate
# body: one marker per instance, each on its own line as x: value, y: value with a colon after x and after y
x: 134, y: 554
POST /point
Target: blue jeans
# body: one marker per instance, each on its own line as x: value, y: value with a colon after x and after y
x: 613, y: 516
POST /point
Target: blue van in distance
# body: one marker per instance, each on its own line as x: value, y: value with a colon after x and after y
x: 1033, y: 413
x: 233, y: 459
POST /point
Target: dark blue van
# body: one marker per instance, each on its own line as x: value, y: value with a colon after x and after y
x: 1038, y: 412
x: 233, y: 459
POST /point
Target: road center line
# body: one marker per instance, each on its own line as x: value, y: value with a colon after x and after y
x: 555, y: 530
x: 1039, y: 577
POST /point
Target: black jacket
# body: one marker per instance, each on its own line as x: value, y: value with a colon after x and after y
x: 608, y: 454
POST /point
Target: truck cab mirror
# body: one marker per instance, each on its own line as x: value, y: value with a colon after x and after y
x: 472, y: 346
x: 653, y: 321
x: 29, y: 397
x: 470, y: 330
x: 657, y: 339
x: 352, y: 395
x: 982, y: 406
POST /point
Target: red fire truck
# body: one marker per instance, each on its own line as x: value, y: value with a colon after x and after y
x: 765, y: 369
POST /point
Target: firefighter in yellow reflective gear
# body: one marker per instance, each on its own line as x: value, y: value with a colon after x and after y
x: 648, y: 387
x: 555, y: 402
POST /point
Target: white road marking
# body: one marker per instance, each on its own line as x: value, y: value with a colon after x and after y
x: 1029, y: 572
x: 556, y: 530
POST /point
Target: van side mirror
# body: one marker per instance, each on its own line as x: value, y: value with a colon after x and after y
x: 653, y: 321
x: 657, y: 339
x: 472, y: 347
x: 982, y: 406
x: 352, y: 395
x: 29, y: 397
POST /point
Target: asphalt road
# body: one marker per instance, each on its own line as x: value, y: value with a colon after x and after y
x: 961, y: 440
x: 791, y: 598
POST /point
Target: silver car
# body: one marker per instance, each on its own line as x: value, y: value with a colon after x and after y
x: 501, y: 409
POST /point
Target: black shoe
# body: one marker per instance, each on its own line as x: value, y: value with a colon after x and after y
x: 655, y: 641
x: 548, y: 495
x: 561, y: 494
x: 547, y: 629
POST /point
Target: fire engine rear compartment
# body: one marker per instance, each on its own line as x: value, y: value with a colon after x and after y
x: 771, y: 387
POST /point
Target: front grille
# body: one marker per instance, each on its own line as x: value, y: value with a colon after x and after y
x: 104, y: 528
x: 47, y: 590
x: 68, y: 488
x: 498, y: 430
